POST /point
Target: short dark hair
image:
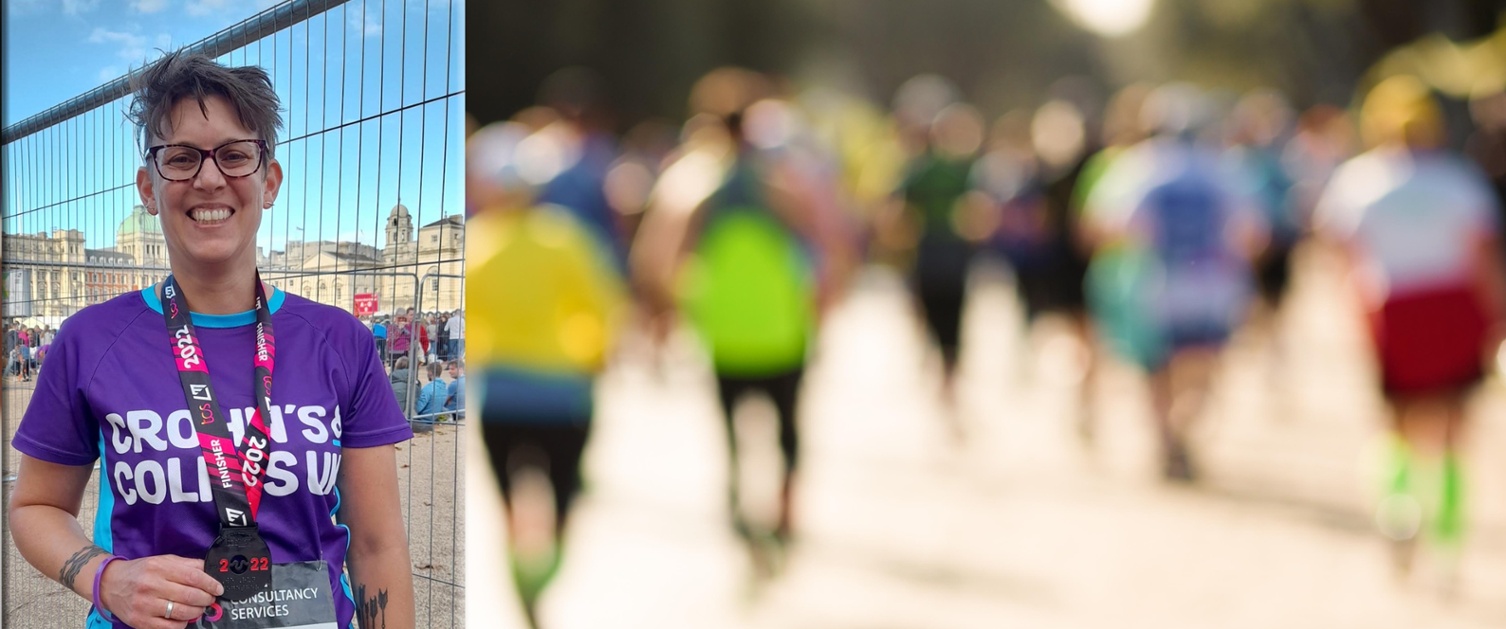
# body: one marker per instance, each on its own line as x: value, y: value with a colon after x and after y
x: 179, y: 75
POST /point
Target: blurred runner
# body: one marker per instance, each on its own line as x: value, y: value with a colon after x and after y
x: 1009, y: 178
x: 1177, y: 281
x: 646, y: 148
x: 1324, y: 140
x: 865, y: 149
x: 586, y: 150
x: 1033, y: 178
x: 1256, y: 128
x: 1121, y: 128
x: 737, y: 244
x: 934, y: 210
x: 545, y: 294
x: 1487, y: 143
x: 1420, y: 227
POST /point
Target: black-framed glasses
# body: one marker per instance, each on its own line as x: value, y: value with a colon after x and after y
x: 181, y: 162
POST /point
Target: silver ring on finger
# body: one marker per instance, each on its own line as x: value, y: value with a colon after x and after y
x: 169, y: 614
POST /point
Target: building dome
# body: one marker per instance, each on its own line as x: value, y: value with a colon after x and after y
x: 139, y: 221
x: 399, y: 211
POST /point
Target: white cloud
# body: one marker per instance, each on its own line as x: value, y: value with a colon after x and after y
x: 132, y: 47
x: 109, y: 73
x: 148, y: 6
x: 369, y: 25
x: 79, y: 7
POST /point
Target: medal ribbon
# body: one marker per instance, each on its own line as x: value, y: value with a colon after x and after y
x: 235, y: 474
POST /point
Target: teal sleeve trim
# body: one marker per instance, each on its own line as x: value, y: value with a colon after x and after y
x: 149, y: 295
x: 103, y: 516
x: 344, y: 576
x: 104, y: 536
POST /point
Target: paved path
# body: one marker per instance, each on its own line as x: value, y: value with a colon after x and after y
x: 1023, y: 524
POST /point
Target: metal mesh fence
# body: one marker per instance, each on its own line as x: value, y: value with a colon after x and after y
x: 371, y: 203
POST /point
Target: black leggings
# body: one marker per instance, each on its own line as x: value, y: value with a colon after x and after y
x: 783, y: 389
x: 553, y: 448
x: 942, y: 308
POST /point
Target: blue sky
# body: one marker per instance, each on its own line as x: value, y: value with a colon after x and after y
x: 55, y: 50
x: 369, y: 90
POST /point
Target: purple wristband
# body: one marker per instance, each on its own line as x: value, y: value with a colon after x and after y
x: 99, y: 573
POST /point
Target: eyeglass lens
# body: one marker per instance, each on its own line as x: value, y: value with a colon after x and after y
x: 236, y: 159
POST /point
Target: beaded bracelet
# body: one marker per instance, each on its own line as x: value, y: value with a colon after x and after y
x: 99, y: 573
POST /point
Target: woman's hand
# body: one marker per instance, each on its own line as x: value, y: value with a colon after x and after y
x: 138, y: 591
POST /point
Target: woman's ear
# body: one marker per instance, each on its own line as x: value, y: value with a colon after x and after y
x: 145, y: 189
x: 272, y: 185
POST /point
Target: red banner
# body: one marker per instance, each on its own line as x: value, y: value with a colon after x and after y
x: 366, y: 304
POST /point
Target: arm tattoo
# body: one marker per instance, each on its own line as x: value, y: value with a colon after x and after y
x: 76, y: 563
x: 369, y: 609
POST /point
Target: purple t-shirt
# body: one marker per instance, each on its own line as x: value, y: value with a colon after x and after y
x: 110, y: 389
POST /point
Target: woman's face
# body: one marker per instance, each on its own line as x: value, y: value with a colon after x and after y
x: 209, y: 220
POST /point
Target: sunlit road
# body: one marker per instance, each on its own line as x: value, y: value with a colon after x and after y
x: 1022, y: 524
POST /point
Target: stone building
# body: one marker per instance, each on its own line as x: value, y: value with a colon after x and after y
x: 437, y: 248
x: 109, y: 273
x: 44, y: 275
x: 52, y: 275
x: 327, y: 274
x: 140, y: 237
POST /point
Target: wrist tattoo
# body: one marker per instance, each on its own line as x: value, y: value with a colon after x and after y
x: 76, y: 563
x: 371, y: 612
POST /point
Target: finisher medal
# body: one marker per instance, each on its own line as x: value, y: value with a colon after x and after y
x: 239, y: 558
x: 240, y: 561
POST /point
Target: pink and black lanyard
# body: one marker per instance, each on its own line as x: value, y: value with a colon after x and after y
x: 235, y: 473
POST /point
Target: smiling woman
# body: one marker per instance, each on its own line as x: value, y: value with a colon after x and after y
x: 209, y: 215
x: 220, y: 488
